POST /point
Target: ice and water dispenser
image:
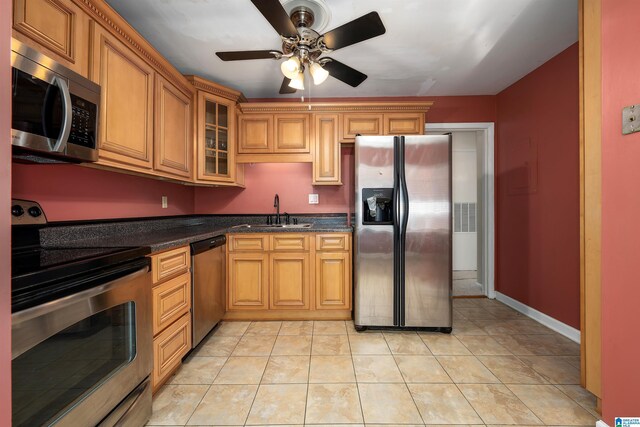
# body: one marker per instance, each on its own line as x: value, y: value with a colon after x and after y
x: 377, y: 206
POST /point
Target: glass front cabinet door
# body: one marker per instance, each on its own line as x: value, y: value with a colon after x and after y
x: 216, y: 138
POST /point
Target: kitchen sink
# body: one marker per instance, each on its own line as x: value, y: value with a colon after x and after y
x: 273, y: 226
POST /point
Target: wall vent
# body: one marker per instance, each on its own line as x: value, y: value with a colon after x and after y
x: 464, y: 217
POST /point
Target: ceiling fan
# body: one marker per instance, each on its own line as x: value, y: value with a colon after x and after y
x: 304, y: 47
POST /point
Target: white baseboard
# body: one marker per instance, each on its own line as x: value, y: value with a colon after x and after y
x: 601, y: 423
x: 562, y: 328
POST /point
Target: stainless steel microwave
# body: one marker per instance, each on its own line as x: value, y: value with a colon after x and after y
x: 54, y: 110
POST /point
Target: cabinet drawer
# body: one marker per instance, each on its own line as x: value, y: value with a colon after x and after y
x: 248, y: 243
x: 404, y: 124
x: 170, y: 264
x: 332, y: 241
x: 289, y: 242
x: 171, y: 300
x: 169, y: 347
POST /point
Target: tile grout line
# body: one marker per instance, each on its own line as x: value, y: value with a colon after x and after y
x: 406, y: 386
x: 353, y: 365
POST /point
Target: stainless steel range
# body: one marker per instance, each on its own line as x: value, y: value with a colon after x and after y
x: 81, y: 332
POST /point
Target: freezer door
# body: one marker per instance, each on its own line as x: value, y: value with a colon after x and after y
x: 373, y: 272
x: 428, y: 233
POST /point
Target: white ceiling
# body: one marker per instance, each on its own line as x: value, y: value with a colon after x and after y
x: 431, y: 47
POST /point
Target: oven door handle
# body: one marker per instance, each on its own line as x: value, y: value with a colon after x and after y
x: 34, y: 325
x: 67, y: 114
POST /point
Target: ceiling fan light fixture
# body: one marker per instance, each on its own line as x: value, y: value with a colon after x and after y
x: 291, y: 67
x: 297, y: 82
x: 318, y: 73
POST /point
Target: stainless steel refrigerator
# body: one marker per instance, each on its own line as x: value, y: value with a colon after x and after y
x: 403, y: 232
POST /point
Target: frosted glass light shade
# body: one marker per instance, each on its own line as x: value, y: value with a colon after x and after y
x: 298, y: 81
x: 318, y: 73
x: 291, y: 67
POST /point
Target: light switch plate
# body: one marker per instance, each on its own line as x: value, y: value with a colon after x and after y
x: 165, y: 202
x: 313, y: 199
x: 631, y: 119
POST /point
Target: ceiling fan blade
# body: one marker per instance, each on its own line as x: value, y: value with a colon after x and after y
x: 277, y: 16
x: 360, y: 29
x: 342, y: 72
x: 246, y: 54
x: 285, y: 88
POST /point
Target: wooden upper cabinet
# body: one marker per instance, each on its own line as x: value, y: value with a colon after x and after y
x: 326, y: 156
x: 126, y: 108
x: 291, y: 133
x: 255, y: 134
x: 404, y: 124
x: 172, y: 137
x: 216, y: 138
x: 57, y: 28
x: 360, y: 124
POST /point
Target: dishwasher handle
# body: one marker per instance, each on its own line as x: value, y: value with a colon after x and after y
x: 208, y: 244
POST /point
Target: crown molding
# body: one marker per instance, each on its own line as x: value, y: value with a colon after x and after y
x: 216, y: 89
x: 335, y: 107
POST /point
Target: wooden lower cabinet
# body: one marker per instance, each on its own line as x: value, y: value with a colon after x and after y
x: 301, y: 276
x: 169, y: 347
x: 289, y: 281
x: 248, y: 281
x: 171, y: 312
x: 333, y: 280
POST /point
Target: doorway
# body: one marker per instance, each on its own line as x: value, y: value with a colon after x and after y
x: 473, y: 206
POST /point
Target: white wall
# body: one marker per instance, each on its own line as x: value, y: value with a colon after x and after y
x: 465, y: 190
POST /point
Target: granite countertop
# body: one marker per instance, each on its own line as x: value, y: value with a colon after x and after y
x: 167, y: 233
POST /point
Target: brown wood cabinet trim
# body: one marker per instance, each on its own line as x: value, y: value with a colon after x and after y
x: 179, y: 333
x: 215, y: 88
x: 171, y: 263
x: 334, y: 107
x: 20, y: 24
x: 179, y: 287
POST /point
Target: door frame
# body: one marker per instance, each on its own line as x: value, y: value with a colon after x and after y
x: 488, y: 193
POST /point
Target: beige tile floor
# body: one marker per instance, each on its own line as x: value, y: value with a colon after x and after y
x: 497, y: 368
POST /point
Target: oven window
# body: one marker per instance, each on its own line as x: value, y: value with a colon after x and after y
x: 57, y: 373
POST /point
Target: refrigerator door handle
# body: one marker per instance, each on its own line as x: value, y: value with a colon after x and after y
x: 402, y: 227
x: 397, y: 251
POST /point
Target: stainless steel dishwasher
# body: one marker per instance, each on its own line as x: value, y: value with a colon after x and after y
x: 207, y: 286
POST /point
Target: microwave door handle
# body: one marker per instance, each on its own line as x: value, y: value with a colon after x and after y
x: 67, y: 112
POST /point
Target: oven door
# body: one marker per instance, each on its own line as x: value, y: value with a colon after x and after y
x: 75, y: 359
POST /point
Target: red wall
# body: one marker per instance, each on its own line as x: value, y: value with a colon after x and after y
x: 538, y: 189
x: 291, y: 181
x: 72, y: 192
x: 5, y: 221
x: 620, y: 207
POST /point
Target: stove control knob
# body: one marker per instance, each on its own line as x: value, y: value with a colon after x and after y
x: 34, y: 211
x: 16, y: 210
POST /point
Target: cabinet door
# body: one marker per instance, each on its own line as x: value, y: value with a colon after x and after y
x: 126, y: 108
x: 171, y: 300
x: 168, y: 349
x: 326, y: 159
x: 172, y: 136
x: 292, y: 133
x: 248, y: 281
x: 404, y: 124
x: 216, y: 138
x: 289, y: 281
x: 333, y: 280
x: 360, y: 124
x: 255, y: 134
x: 57, y: 28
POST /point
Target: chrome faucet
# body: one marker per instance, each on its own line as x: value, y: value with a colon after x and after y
x: 276, y: 204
